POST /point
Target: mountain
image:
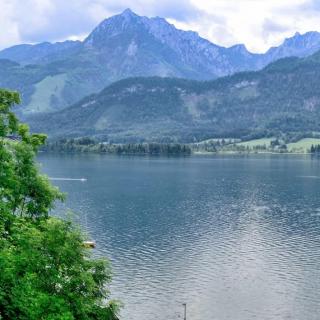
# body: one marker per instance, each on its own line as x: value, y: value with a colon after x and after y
x: 40, y: 53
x: 152, y: 46
x: 128, y: 45
x: 300, y: 45
x: 283, y: 97
x: 126, y: 40
x: 122, y: 46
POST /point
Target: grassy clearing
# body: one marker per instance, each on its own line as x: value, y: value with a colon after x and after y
x: 45, y: 90
x: 303, y: 145
x: 259, y: 145
x: 256, y: 142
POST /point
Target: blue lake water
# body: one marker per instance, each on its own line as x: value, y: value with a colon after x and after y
x: 234, y: 237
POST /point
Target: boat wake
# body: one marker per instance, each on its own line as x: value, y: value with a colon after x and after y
x: 68, y: 179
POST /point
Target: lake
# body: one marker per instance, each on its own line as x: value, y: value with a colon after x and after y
x: 234, y: 237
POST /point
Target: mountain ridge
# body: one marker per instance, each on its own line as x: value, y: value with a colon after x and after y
x: 128, y: 45
x: 281, y: 98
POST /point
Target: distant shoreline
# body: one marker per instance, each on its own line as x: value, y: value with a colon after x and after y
x: 249, y: 153
x: 208, y: 147
x: 195, y: 154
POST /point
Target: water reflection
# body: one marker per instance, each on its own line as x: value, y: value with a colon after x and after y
x: 233, y: 237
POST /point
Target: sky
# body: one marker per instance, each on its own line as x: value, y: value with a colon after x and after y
x: 259, y: 24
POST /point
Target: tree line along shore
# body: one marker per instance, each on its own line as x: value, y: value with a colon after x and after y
x: 262, y: 145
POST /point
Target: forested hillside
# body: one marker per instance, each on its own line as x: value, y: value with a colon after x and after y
x: 52, y: 76
x: 283, y: 97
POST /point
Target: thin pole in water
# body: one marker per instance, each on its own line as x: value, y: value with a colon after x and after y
x: 185, y: 311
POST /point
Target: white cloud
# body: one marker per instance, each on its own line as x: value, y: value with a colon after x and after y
x: 257, y: 23
x: 248, y: 21
x: 9, y: 31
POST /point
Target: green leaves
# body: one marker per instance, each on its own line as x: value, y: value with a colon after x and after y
x: 46, y: 274
x: 7, y: 99
x: 23, y: 190
x: 45, y: 271
x: 8, y: 121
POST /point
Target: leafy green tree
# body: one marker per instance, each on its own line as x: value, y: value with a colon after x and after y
x: 45, y: 271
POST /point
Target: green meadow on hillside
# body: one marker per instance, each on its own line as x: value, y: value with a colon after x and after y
x: 48, y: 92
x: 256, y: 142
x: 303, y: 145
x: 261, y: 145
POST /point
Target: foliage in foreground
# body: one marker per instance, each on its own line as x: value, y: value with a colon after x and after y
x: 45, y: 272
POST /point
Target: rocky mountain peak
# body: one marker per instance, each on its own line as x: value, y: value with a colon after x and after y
x: 299, y: 45
x: 112, y: 26
x: 127, y: 12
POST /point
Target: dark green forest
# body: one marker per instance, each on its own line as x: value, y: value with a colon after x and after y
x: 283, y: 98
x: 87, y: 144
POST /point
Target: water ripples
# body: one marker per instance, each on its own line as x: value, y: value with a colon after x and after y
x: 235, y: 240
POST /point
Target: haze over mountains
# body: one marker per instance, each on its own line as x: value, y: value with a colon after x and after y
x: 54, y: 76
